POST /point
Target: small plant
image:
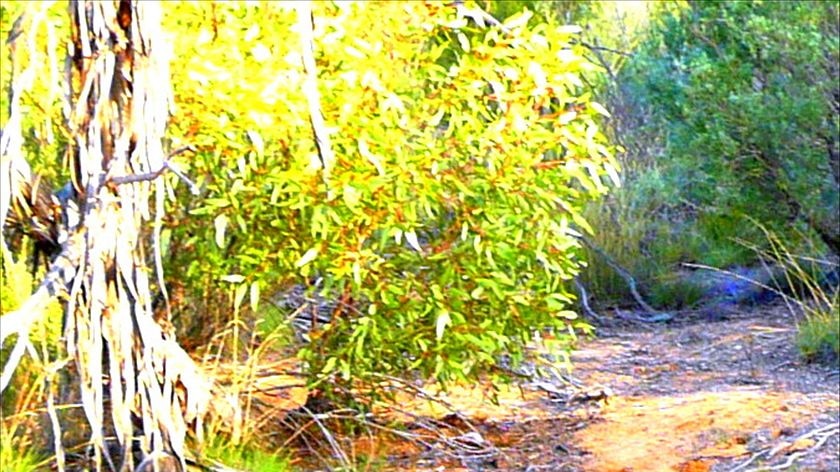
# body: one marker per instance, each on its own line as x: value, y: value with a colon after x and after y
x: 17, y: 454
x: 243, y: 456
x: 817, y: 299
x: 21, y: 446
x: 674, y: 294
x: 819, y: 337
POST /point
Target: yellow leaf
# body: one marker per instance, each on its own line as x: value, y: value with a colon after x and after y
x: 442, y: 322
x: 600, y: 109
x: 252, y: 32
x: 351, y: 196
x: 538, y: 75
x: 569, y: 29
x: 464, y: 41
x: 567, y: 117
x: 261, y: 53
x: 411, y: 239
x: 364, y: 150
x: 255, y: 295
x: 307, y: 257
x: 220, y: 224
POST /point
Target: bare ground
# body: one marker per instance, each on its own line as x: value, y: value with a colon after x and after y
x: 722, y: 389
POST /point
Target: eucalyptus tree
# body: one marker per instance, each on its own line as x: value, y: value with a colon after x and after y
x: 131, y: 372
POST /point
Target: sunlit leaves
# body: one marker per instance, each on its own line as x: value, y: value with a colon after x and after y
x: 463, y: 156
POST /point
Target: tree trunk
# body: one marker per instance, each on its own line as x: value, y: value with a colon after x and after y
x: 118, y: 122
x: 132, y: 373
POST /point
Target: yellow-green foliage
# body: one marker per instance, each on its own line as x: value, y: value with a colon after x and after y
x: 463, y: 156
x: 39, y: 60
x: 21, y: 449
x: 17, y: 457
x: 242, y: 457
x: 819, y: 335
x: 16, y: 285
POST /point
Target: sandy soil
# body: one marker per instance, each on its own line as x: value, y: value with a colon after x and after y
x: 718, y: 390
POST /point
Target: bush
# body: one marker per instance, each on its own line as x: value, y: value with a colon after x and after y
x: 446, y: 229
x: 819, y: 335
x: 746, y: 90
x: 728, y: 112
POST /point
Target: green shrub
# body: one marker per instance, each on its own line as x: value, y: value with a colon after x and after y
x: 743, y: 93
x: 670, y: 292
x: 445, y: 232
x: 242, y: 456
x: 819, y: 335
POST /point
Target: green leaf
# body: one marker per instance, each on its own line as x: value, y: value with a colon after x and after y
x: 411, y: 239
x: 233, y: 278
x: 600, y: 109
x: 464, y: 42
x: 329, y: 366
x: 239, y: 296
x: 567, y: 314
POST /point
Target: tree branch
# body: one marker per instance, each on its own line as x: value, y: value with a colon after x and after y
x: 167, y: 165
x: 310, y: 88
x: 479, y: 16
x: 21, y: 320
x: 598, y: 47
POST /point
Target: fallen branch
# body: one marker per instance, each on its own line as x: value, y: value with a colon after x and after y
x: 799, y: 454
x: 584, y: 302
x: 824, y: 433
x: 738, y: 276
x: 656, y: 316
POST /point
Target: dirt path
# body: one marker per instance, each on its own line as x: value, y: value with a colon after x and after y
x: 708, y: 392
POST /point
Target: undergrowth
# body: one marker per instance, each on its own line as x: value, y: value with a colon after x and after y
x: 22, y: 445
x: 649, y: 229
x: 248, y: 457
x: 814, y: 293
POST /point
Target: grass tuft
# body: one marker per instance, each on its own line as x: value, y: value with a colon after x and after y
x: 812, y: 294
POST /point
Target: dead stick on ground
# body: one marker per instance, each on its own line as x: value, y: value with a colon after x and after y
x: 584, y: 301
x: 799, y: 454
x: 824, y: 432
x: 656, y: 316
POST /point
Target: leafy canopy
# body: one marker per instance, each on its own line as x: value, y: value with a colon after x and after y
x: 463, y: 156
x: 446, y: 230
x: 747, y: 93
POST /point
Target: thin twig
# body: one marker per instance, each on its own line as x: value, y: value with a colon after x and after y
x: 799, y: 454
x: 824, y: 432
x: 310, y: 89
x: 167, y: 165
x: 598, y: 47
x: 337, y: 450
x: 53, y: 415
